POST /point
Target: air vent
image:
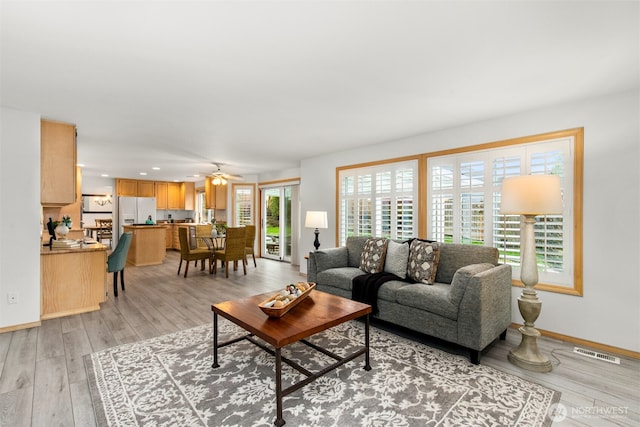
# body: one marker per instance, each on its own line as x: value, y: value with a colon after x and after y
x: 596, y: 355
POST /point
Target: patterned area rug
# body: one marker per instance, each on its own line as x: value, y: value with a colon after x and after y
x: 168, y: 381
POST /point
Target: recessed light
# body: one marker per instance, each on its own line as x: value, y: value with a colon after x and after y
x: 155, y: 168
x: 196, y: 176
x: 104, y: 175
x: 80, y: 165
x: 143, y: 173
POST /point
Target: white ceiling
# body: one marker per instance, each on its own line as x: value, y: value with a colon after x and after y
x: 258, y: 86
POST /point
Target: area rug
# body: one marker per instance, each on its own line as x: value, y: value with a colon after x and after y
x: 168, y: 381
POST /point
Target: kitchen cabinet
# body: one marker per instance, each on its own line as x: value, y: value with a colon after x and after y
x: 146, y: 188
x: 162, y: 189
x: 147, y: 244
x: 72, y: 280
x: 169, y: 236
x: 127, y: 187
x: 175, y: 200
x: 135, y: 188
x: 215, y: 195
x: 175, y: 195
x: 189, y: 195
x: 58, y: 158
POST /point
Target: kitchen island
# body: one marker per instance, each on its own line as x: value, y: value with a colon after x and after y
x: 147, y: 244
x: 72, y: 280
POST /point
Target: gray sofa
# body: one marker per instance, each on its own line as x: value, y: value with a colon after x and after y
x: 468, y: 304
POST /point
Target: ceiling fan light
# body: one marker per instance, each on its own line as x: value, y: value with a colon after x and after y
x: 216, y: 180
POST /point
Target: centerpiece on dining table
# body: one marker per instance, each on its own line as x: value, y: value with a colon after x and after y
x: 280, y: 303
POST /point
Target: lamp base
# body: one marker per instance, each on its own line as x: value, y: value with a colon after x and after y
x: 527, y: 355
x: 316, y: 242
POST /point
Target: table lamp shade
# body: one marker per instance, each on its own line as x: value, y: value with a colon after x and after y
x: 316, y: 219
x: 531, y: 195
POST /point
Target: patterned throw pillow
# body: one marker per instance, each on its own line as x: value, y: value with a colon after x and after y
x: 372, y: 258
x: 423, y: 261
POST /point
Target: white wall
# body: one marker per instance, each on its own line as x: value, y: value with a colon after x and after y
x: 20, y: 216
x: 609, y: 311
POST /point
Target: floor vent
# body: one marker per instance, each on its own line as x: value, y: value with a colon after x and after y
x: 596, y: 355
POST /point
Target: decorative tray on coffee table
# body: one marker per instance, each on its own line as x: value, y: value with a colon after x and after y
x: 280, y: 303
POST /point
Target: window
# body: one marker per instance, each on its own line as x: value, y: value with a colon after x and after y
x: 243, y: 204
x: 463, y: 196
x: 378, y: 200
x: 203, y: 214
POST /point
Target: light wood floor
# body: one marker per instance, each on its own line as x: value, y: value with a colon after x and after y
x: 43, y: 380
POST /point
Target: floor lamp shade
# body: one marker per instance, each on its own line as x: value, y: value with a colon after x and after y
x: 316, y: 219
x: 530, y: 195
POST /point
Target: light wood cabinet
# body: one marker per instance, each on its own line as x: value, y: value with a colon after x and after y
x: 135, y: 188
x: 127, y: 187
x: 147, y: 245
x: 146, y: 188
x: 72, y: 280
x: 161, y: 195
x: 189, y: 195
x: 215, y: 195
x: 169, y: 236
x: 58, y: 158
x: 176, y: 195
x: 175, y: 200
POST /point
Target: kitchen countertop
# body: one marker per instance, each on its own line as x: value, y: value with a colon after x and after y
x: 45, y: 250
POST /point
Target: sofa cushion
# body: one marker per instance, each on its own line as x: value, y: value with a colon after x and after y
x: 388, y: 291
x: 372, y: 257
x: 455, y: 255
x: 395, y: 261
x: 330, y: 258
x: 434, y: 299
x: 339, y: 277
x: 354, y: 247
x: 423, y: 261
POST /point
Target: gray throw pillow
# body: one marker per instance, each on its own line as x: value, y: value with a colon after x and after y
x: 395, y: 261
x: 423, y: 261
x: 372, y: 258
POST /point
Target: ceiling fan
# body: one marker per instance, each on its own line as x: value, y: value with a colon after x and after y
x: 220, y: 178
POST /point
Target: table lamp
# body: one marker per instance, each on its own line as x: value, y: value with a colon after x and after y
x: 529, y: 196
x: 316, y: 219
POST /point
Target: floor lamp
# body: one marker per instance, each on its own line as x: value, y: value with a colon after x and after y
x: 316, y: 219
x: 529, y: 196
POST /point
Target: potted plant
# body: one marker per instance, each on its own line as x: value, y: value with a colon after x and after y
x: 66, y: 220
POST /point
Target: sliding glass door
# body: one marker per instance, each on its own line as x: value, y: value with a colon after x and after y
x: 276, y: 223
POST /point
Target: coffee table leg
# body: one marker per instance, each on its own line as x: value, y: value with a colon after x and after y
x: 367, y: 366
x: 279, y: 420
x: 215, y: 341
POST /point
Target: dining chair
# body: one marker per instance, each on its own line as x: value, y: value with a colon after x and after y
x: 233, y: 251
x: 105, y: 230
x: 188, y: 254
x: 250, y: 242
x: 117, y: 260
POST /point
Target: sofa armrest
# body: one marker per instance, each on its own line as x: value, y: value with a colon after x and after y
x: 485, y: 308
x: 325, y: 259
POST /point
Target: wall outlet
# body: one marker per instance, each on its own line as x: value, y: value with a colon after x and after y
x: 12, y: 297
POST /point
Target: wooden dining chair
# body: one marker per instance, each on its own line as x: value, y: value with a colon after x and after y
x: 233, y: 251
x: 105, y: 230
x: 188, y: 254
x: 250, y: 242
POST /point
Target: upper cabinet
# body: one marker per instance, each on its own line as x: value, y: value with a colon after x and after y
x: 161, y: 195
x: 189, y: 195
x: 58, y: 158
x: 215, y: 195
x: 135, y: 188
x: 175, y: 195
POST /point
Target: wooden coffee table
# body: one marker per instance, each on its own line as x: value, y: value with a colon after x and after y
x: 318, y: 312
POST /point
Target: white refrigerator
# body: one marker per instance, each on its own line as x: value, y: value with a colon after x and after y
x: 135, y: 210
